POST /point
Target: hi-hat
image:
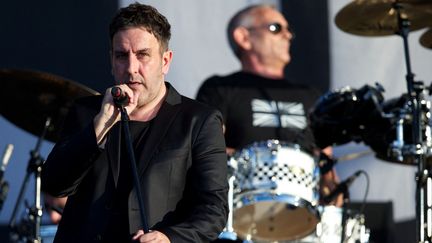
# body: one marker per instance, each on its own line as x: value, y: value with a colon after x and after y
x: 380, y: 18
x: 426, y: 39
x: 30, y: 97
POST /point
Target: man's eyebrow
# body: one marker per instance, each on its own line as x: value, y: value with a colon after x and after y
x: 143, y: 50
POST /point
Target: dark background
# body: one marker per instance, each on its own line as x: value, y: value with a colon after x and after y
x: 67, y: 38
x: 310, y: 47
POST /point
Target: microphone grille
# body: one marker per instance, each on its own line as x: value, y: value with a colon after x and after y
x: 116, y: 92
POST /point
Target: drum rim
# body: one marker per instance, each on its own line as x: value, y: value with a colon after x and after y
x: 280, y: 143
x: 272, y: 197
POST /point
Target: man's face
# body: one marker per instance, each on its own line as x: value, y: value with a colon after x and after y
x: 137, y: 61
x: 271, y: 48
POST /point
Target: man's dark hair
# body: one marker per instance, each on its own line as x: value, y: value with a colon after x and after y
x: 138, y: 15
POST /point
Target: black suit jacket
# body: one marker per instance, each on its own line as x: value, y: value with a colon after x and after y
x: 182, y: 171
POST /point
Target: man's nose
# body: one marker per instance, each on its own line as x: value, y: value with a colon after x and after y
x: 133, y: 64
x: 289, y: 34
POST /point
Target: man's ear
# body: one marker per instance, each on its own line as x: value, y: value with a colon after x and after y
x: 242, y: 38
x: 166, y: 61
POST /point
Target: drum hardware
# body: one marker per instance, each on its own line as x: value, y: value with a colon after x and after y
x: 42, y: 112
x: 379, y: 18
x: 423, y: 190
x: 4, y: 185
x: 228, y: 233
x: 34, y: 167
x: 397, y: 145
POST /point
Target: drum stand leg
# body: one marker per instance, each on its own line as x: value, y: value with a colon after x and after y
x: 424, y: 206
x: 228, y: 232
x: 29, y: 229
x: 423, y: 177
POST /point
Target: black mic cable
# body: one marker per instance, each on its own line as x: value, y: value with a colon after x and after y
x: 341, y: 187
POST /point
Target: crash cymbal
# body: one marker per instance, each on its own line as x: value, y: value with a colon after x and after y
x: 29, y: 97
x: 379, y: 17
x: 426, y: 39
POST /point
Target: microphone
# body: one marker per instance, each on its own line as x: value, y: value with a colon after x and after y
x: 341, y: 187
x: 120, y: 98
x: 5, y: 160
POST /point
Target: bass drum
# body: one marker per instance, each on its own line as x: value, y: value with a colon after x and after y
x: 275, y: 192
x: 343, y: 115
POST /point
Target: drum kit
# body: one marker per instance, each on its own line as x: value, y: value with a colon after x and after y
x: 40, y: 104
x: 274, y: 184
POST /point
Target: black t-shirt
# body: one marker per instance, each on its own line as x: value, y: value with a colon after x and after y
x: 118, y: 225
x: 255, y: 108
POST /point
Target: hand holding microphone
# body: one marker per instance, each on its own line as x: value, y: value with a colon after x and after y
x: 115, y: 99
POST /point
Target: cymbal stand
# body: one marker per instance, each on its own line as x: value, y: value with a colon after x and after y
x: 30, y: 228
x: 423, y: 176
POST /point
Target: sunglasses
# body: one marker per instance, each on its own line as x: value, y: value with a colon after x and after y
x: 274, y: 28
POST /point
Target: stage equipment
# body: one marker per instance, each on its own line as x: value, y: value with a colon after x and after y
x: 380, y: 18
x: 29, y: 98
x: 275, y: 192
x: 36, y: 102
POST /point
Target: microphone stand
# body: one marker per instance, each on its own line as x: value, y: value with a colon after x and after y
x: 345, y: 213
x: 31, y: 228
x: 4, y: 185
x: 423, y: 176
x: 137, y: 186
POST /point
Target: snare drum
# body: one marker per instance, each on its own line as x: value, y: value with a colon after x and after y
x: 275, y: 192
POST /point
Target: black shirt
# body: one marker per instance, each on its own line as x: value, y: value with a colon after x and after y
x: 118, y: 225
x: 256, y: 108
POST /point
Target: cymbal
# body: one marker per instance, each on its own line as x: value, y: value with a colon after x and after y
x: 426, y: 39
x: 30, y: 97
x: 379, y: 17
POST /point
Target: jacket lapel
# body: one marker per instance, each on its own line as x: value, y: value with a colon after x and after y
x: 113, y: 150
x: 159, y: 127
